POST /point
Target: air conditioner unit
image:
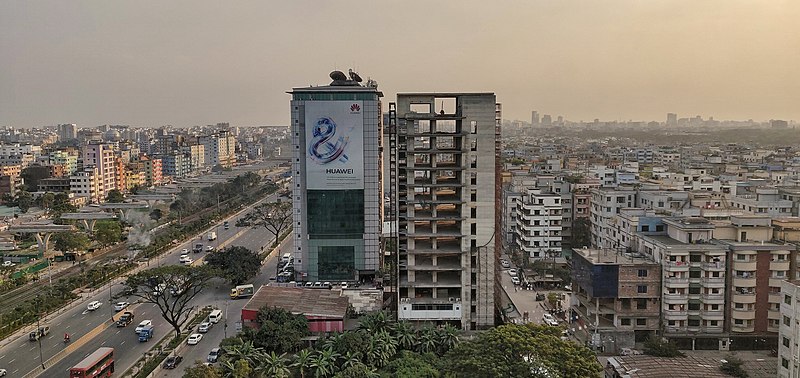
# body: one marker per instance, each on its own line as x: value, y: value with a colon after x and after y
x: 451, y: 299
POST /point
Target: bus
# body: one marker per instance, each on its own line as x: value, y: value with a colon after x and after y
x: 98, y: 364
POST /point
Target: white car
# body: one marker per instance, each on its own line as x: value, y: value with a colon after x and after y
x: 142, y: 325
x: 93, y: 305
x: 549, y: 319
x: 204, y: 327
x: 8, y: 263
x: 185, y: 251
x: 515, y: 280
x: 194, y: 339
x: 187, y: 262
x: 512, y: 272
x: 119, y: 306
x: 209, y: 248
x: 2, y: 372
x: 505, y: 264
x: 184, y: 257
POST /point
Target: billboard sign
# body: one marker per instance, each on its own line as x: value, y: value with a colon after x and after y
x: 334, y: 145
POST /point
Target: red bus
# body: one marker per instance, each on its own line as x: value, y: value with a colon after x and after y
x: 98, y: 364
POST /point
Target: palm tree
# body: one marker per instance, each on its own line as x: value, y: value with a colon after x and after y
x: 405, y: 334
x: 324, y: 362
x: 244, y: 351
x: 302, y: 361
x: 350, y: 358
x: 448, y: 338
x: 388, y: 346
x: 273, y: 365
x: 374, y: 322
x: 428, y: 341
x: 333, y: 341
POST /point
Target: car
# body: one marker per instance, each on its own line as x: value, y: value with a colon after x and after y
x: 194, y: 339
x: 142, y: 325
x: 187, y: 262
x: 512, y: 272
x: 327, y: 284
x: 119, y: 306
x: 551, y: 320
x: 93, y: 305
x: 204, y: 327
x: 185, y: 251
x: 125, y: 319
x: 317, y: 284
x: 2, y: 372
x: 8, y: 263
x: 209, y: 248
x: 184, y: 257
x: 515, y: 280
x: 505, y: 264
x: 344, y: 285
x: 309, y: 284
x: 172, y: 361
x: 213, y: 356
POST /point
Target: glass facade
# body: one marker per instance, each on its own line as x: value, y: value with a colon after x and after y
x: 335, y: 214
x: 335, y: 96
x: 336, y: 262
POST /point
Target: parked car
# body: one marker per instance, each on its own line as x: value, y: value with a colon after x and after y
x: 549, y: 319
x: 2, y: 372
x: 119, y: 306
x: 204, y: 327
x: 515, y: 280
x: 512, y: 272
x: 194, y: 339
x: 93, y: 305
x: 143, y: 324
x: 8, y: 263
x: 172, y: 361
x: 214, y: 355
x: 505, y: 264
x: 39, y: 333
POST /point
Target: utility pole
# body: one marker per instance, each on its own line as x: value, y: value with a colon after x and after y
x: 225, y: 325
x: 38, y: 332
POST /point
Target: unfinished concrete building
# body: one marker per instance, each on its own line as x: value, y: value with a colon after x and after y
x: 445, y: 168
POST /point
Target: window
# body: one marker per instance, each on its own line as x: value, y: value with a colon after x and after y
x: 642, y: 273
x: 786, y: 342
x: 641, y: 304
x: 738, y: 322
x: 784, y: 363
x: 641, y: 289
x: 641, y: 321
x: 693, y: 306
x: 787, y: 299
x: 694, y: 322
x: 625, y: 321
x: 712, y: 323
x: 787, y: 321
x: 738, y: 306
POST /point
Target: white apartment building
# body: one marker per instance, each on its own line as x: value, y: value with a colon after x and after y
x: 763, y: 201
x: 538, y: 227
x: 87, y: 184
x: 219, y: 149
x: 605, y: 204
x: 101, y: 156
x: 789, y: 332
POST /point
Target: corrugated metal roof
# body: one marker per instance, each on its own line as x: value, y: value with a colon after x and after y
x: 309, y: 302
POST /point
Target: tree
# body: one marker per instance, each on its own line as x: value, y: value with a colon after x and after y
x: 659, y: 348
x: 275, y: 217
x: 302, y: 362
x: 324, y: 362
x: 170, y: 288
x: 200, y: 370
x: 581, y: 233
x: 70, y: 241
x: 279, y: 330
x: 357, y: 370
x: 374, y: 322
x: 412, y: 365
x: 733, y: 366
x: 61, y: 204
x: 405, y: 334
x: 114, y: 196
x: 156, y: 214
x: 514, y: 350
x: 32, y: 175
x: 45, y: 201
x: 237, y: 264
x: 24, y: 201
x: 107, y: 232
x: 273, y: 365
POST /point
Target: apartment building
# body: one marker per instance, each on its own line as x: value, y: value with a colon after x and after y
x: 448, y: 182
x: 66, y: 158
x: 605, y: 204
x: 788, y: 340
x: 630, y: 221
x: 218, y: 149
x: 617, y: 296
x: 693, y: 286
x: 101, y: 156
x: 87, y: 183
x: 764, y: 201
x: 662, y: 201
x: 538, y: 223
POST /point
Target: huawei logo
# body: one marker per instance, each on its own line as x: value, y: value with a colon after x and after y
x: 355, y: 108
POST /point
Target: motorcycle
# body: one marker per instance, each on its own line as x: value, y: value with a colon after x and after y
x: 66, y: 339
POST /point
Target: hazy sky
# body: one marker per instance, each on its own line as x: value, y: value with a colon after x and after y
x: 151, y: 63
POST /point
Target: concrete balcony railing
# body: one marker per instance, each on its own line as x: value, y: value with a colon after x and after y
x: 742, y: 328
x: 714, y: 266
x: 744, y: 265
x: 740, y: 281
x: 779, y: 265
x: 676, y: 282
x: 675, y: 297
x: 713, y: 281
x: 676, y: 266
x: 744, y: 298
x: 743, y: 314
x: 675, y: 314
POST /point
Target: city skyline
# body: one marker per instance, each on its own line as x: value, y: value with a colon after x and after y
x: 191, y: 63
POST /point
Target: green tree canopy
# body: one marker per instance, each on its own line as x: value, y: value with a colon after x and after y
x: 70, y: 241
x: 115, y: 196
x: 280, y: 331
x: 200, y: 370
x: 237, y: 264
x: 412, y: 365
x: 521, y: 351
x: 107, y: 232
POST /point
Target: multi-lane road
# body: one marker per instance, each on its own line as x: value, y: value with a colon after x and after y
x: 90, y: 330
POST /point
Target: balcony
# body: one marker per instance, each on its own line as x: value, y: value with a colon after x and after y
x: 776, y: 282
x: 775, y: 298
x: 713, y: 298
x: 741, y: 281
x: 744, y: 265
x: 714, y: 266
x: 718, y: 282
x: 779, y: 265
x: 774, y: 314
x: 744, y: 298
x: 676, y: 266
x: 742, y: 328
x: 675, y: 282
x: 744, y: 314
x: 710, y: 329
x: 675, y: 314
x: 713, y: 314
x: 675, y: 298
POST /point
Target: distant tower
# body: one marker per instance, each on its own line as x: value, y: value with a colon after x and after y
x: 534, y: 118
x: 547, y: 121
x: 672, y: 119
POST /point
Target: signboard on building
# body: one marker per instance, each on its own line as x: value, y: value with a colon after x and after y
x: 334, y: 145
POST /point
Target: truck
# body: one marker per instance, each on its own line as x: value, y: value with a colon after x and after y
x: 125, y: 319
x: 39, y: 333
x: 211, y: 236
x: 242, y: 291
x: 198, y: 247
x: 146, y: 333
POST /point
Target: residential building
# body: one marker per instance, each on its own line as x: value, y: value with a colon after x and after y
x: 605, y: 204
x: 87, y: 183
x: 67, y: 131
x: 447, y: 199
x: 66, y: 158
x: 538, y: 228
x: 617, y: 296
x: 766, y: 201
x: 789, y: 331
x: 101, y: 156
x: 176, y: 164
x: 337, y: 192
x: 219, y: 149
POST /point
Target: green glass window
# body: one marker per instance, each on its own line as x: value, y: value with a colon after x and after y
x: 334, y: 214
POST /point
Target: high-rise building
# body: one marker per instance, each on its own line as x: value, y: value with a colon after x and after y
x: 101, y: 156
x: 447, y: 181
x: 219, y: 149
x: 337, y: 169
x: 66, y: 131
x: 672, y: 119
x: 788, y: 349
x: 534, y: 118
x: 547, y: 121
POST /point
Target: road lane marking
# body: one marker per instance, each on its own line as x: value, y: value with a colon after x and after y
x: 12, y: 361
x: 68, y: 326
x: 123, y: 342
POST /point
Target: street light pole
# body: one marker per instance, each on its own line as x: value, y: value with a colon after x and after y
x: 38, y: 332
x: 225, y: 325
